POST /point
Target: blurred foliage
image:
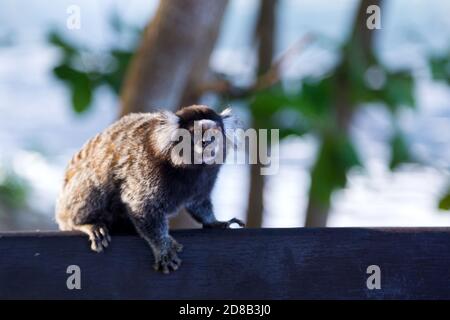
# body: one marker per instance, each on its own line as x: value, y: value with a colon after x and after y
x: 274, y: 109
x: 444, y: 203
x: 13, y: 191
x: 84, y: 70
x: 315, y: 108
x: 311, y: 109
x: 336, y: 157
x: 440, y: 68
x: 400, y: 152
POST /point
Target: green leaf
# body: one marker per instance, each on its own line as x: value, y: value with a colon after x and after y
x: 348, y: 154
x: 83, y: 83
x: 444, y: 203
x: 440, y: 68
x: 264, y: 104
x: 13, y: 191
x: 316, y: 98
x: 399, y: 90
x: 336, y: 157
x: 361, y: 92
x: 399, y: 151
x: 65, y: 72
x: 80, y: 85
x: 81, y: 94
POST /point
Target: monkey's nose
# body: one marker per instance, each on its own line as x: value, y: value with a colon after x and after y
x: 206, y: 142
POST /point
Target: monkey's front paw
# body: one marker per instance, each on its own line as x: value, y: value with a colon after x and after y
x: 168, y: 261
x: 224, y: 224
x: 100, y: 238
x: 175, y: 245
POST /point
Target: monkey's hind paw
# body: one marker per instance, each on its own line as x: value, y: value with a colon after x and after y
x: 100, y: 238
x: 224, y: 224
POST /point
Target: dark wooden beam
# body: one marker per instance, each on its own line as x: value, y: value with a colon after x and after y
x: 234, y: 264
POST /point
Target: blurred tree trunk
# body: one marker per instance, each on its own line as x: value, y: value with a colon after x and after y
x: 265, y: 33
x: 361, y: 40
x: 173, y: 55
x: 171, y: 62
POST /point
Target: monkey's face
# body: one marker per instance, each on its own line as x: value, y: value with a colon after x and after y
x: 207, y: 142
x: 198, y: 136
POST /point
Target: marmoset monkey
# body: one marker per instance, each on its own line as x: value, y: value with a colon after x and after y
x: 129, y: 172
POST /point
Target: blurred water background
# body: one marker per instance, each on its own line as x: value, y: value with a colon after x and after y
x: 39, y: 131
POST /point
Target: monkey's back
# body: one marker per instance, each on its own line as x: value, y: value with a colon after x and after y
x: 94, y: 173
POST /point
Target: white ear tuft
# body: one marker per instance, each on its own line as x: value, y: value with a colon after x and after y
x: 228, y: 112
x: 165, y: 130
x: 170, y: 117
x: 231, y: 123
